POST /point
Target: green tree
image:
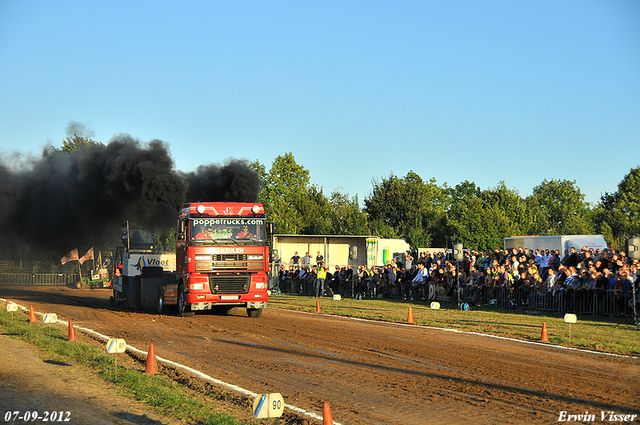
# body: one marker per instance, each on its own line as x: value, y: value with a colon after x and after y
x: 315, y: 211
x: 410, y: 207
x: 467, y: 220
x: 617, y: 215
x: 558, y: 208
x: 346, y: 216
x: 165, y: 240
x: 77, y: 143
x: 627, y: 198
x: 480, y: 220
x: 507, y: 211
x: 298, y: 207
x: 284, y: 187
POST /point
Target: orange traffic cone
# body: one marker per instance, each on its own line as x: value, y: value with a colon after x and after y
x: 327, y: 419
x: 72, y: 332
x: 152, y: 366
x: 318, y: 309
x: 545, y: 335
x: 32, y: 315
x: 410, y: 316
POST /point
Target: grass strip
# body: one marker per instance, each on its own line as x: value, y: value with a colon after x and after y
x: 605, y: 334
x: 166, y: 396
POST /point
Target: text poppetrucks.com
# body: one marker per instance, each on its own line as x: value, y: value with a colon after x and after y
x: 603, y: 416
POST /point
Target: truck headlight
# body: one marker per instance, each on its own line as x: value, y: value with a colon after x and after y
x: 203, y: 258
x: 255, y: 257
x: 260, y: 285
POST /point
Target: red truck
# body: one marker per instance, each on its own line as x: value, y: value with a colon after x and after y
x: 222, y: 261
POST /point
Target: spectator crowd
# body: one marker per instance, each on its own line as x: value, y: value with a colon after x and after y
x: 584, y: 281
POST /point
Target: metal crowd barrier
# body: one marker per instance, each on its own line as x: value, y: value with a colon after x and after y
x: 592, y: 302
x: 587, y: 301
x: 37, y: 279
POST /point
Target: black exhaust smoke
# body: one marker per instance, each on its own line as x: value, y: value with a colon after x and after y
x: 233, y: 181
x: 63, y: 200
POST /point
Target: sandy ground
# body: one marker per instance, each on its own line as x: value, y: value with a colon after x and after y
x: 371, y: 373
x: 58, y: 390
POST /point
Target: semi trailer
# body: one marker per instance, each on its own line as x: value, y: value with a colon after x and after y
x: 221, y: 261
x: 560, y: 243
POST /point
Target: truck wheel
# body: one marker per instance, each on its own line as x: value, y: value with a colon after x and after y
x: 79, y: 284
x: 181, y: 300
x: 162, y: 309
x: 254, y: 312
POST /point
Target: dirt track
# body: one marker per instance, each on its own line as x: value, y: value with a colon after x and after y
x: 371, y: 373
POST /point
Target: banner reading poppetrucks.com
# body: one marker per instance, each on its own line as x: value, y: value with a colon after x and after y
x: 601, y: 416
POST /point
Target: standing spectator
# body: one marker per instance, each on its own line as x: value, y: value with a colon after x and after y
x: 544, y: 265
x: 572, y: 283
x: 550, y: 281
x: 294, y: 281
x: 572, y: 260
x: 554, y: 260
x: 295, y: 260
x: 288, y: 285
x: 282, y: 279
x: 477, y: 284
x: 408, y: 261
x: 538, y: 258
x: 336, y: 282
x: 301, y: 279
x: 418, y: 282
x: 389, y: 277
x: 310, y: 282
x: 322, y: 276
x: 623, y: 296
x: 374, y: 282
x: 601, y: 287
x: 306, y: 261
x: 347, y: 280
x: 319, y: 259
x: 363, y: 277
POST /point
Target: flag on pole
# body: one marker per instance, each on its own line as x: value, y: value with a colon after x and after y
x: 87, y: 256
x: 71, y: 256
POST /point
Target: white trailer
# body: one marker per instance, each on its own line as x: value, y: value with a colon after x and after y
x: 560, y: 243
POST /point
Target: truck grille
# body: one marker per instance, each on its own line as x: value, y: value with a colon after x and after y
x: 229, y: 262
x: 230, y: 283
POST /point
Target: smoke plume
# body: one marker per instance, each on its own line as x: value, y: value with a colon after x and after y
x: 62, y: 200
x: 231, y: 182
x: 82, y: 130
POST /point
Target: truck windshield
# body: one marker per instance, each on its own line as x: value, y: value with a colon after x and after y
x: 236, y: 231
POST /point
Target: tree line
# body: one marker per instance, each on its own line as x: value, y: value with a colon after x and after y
x: 428, y: 214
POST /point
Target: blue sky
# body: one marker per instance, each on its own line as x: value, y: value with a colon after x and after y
x: 485, y: 91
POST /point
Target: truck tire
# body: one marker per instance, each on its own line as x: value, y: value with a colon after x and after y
x: 162, y: 309
x: 180, y: 300
x: 254, y: 312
